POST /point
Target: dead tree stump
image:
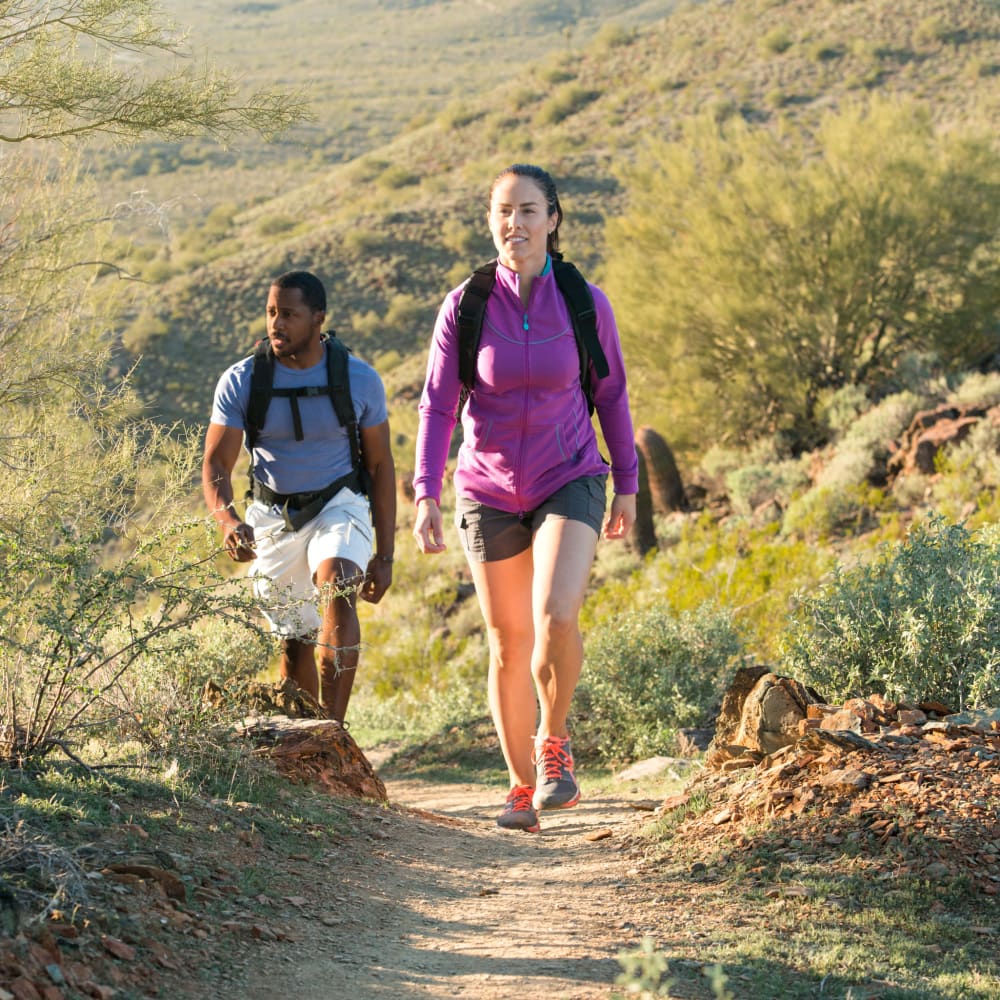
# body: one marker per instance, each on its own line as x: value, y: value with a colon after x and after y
x: 314, y: 751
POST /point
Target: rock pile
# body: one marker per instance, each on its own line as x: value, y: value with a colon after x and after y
x: 916, y: 789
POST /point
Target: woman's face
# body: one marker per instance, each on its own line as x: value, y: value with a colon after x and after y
x: 520, y: 223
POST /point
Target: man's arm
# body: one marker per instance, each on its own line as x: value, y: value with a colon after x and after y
x: 377, y: 454
x: 222, y: 449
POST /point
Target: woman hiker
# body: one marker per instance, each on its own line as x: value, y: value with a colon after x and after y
x: 530, y: 481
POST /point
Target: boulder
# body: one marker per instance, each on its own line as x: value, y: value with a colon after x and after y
x: 930, y: 431
x: 761, y: 713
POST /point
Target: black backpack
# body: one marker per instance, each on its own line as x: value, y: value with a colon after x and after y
x: 574, y: 288
x: 338, y: 388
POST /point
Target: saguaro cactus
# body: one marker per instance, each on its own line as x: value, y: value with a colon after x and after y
x: 642, y: 537
x: 665, y: 486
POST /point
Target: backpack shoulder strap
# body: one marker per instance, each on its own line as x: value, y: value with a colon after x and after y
x: 261, y: 390
x: 576, y: 291
x: 471, y: 310
x: 338, y: 382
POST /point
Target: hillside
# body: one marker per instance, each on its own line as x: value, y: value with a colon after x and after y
x: 391, y: 230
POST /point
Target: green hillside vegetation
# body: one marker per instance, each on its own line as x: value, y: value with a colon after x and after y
x: 393, y: 229
x: 641, y: 126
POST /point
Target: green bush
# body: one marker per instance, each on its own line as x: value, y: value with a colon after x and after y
x: 920, y: 623
x: 650, y: 674
x: 776, y: 41
x: 752, y: 485
x: 276, y: 225
x: 968, y: 475
x: 566, y: 101
x: 833, y: 511
x: 397, y: 176
x: 978, y: 389
x: 614, y: 36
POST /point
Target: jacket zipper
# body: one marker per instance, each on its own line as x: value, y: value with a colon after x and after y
x: 524, y: 408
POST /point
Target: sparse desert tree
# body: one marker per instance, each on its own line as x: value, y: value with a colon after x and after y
x: 756, y: 271
x: 99, y: 564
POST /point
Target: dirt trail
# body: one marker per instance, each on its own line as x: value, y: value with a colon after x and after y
x: 437, y: 902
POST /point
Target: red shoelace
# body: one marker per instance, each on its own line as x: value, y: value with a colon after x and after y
x: 554, y: 757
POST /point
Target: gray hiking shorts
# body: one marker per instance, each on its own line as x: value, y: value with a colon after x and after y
x: 489, y: 535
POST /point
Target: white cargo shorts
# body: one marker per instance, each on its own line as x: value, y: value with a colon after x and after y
x: 284, y: 571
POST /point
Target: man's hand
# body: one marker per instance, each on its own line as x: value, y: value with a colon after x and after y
x: 239, y: 542
x: 378, y: 579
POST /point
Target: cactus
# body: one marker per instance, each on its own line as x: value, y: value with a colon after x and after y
x: 642, y: 537
x: 665, y: 486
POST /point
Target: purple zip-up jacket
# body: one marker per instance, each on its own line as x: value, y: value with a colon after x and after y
x: 526, y: 428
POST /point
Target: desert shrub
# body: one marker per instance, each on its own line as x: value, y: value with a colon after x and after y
x: 142, y: 331
x: 921, y: 622
x: 457, y: 114
x: 824, y: 51
x: 968, y: 475
x: 397, y: 176
x: 164, y: 685
x: 931, y: 30
x: 829, y: 511
x: 460, y: 237
x: 613, y: 36
x: 840, y: 408
x: 404, y: 311
x: 650, y: 673
x: 158, y: 271
x: 363, y: 241
x: 801, y: 262
x: 566, y: 101
x: 752, y: 485
x: 276, y: 225
x: 978, y: 389
x: 864, y: 448
x: 554, y: 75
x: 776, y: 41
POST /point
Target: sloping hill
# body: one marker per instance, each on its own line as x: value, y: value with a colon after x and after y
x: 391, y: 231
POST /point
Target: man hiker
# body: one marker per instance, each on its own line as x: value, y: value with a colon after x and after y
x: 320, y: 520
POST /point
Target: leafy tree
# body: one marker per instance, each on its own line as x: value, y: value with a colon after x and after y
x: 60, y: 77
x: 99, y: 568
x: 756, y: 272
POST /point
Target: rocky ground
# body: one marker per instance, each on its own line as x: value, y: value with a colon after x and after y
x: 422, y: 897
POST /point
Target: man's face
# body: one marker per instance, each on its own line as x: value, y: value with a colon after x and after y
x: 292, y: 327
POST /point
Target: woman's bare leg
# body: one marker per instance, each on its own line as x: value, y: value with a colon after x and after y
x: 504, y: 592
x: 563, y: 553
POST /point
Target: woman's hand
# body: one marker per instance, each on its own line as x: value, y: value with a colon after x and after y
x: 429, y: 527
x: 621, y: 517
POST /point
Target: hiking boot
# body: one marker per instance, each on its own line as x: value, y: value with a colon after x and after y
x: 518, y: 813
x: 556, y: 786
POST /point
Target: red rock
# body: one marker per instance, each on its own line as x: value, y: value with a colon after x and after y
x: 118, y: 948
x: 24, y: 989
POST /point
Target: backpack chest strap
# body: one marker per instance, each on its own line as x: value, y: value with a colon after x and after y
x: 293, y: 398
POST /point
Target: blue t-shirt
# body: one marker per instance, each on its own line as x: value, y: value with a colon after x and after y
x: 281, y: 462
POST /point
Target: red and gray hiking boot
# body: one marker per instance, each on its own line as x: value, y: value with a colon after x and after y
x: 518, y: 812
x: 556, y: 786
